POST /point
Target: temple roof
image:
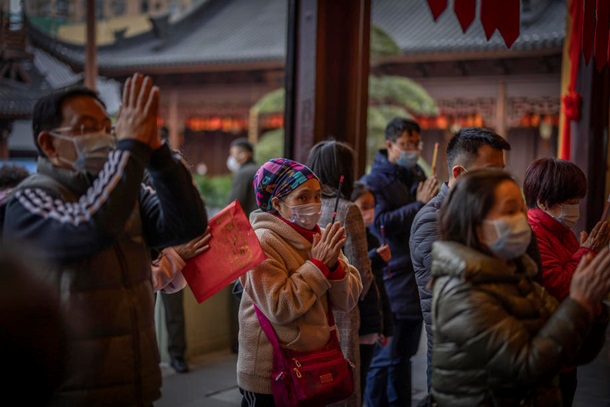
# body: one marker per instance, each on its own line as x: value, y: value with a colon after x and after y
x: 224, y: 34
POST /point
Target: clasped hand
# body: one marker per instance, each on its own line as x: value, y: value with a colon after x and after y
x: 137, y: 118
x: 591, y: 280
x: 598, y: 238
x: 327, y: 245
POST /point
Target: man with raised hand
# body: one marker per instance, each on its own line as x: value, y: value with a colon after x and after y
x: 87, y: 214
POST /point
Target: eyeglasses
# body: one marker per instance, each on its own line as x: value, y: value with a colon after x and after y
x: 82, y: 130
x: 410, y: 146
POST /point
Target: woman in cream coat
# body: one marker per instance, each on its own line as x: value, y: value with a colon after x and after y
x: 304, y: 266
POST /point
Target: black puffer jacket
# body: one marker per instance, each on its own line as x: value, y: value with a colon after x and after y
x: 499, y: 338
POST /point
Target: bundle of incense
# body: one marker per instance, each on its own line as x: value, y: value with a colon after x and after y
x: 337, y: 201
x: 605, y: 214
x: 383, y: 241
x: 434, y: 157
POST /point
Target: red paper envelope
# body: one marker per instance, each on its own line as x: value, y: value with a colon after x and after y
x: 234, y: 249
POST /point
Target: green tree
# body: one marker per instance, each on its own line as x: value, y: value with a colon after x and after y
x: 389, y: 97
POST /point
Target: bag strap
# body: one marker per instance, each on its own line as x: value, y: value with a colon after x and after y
x: 270, y: 332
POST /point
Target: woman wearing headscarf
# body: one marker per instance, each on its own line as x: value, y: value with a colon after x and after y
x: 304, y: 269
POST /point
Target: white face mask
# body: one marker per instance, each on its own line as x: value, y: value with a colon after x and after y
x: 507, y: 237
x: 569, y: 215
x: 232, y: 164
x: 91, y: 151
x: 306, y: 216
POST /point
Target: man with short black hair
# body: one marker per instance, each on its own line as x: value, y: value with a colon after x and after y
x: 470, y: 148
x: 241, y: 163
x: 401, y: 189
x: 93, y: 223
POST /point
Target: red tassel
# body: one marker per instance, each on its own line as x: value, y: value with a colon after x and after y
x: 508, y: 20
x: 488, y: 17
x: 465, y: 10
x: 571, y: 106
x: 437, y: 7
x: 588, y: 26
x: 601, y: 34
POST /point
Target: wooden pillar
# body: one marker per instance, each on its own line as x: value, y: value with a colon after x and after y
x: 327, y: 71
x: 91, y: 47
x: 590, y: 140
x: 501, y: 110
x: 172, y: 121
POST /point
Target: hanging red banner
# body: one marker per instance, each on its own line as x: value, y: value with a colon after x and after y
x: 508, y: 20
x: 571, y: 100
x: 588, y: 26
x: 465, y: 10
x: 600, y: 47
x: 437, y: 7
x: 488, y: 17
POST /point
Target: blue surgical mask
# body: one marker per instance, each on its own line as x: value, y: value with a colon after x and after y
x: 408, y: 159
x: 507, y: 237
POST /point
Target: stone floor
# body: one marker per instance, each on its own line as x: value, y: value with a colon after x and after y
x: 212, y: 382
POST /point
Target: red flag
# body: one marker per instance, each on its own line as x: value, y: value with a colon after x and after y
x: 488, y: 17
x: 437, y: 7
x: 601, y: 34
x: 234, y: 250
x: 508, y: 20
x: 588, y: 26
x: 465, y: 10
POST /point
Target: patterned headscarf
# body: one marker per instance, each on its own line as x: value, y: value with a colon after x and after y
x: 279, y: 177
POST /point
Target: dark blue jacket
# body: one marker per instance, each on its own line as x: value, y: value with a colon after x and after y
x: 395, y: 190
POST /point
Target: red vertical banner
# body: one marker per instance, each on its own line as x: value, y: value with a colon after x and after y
x: 437, y: 7
x: 488, y: 17
x: 600, y: 46
x: 508, y: 20
x: 570, y: 102
x: 465, y: 10
x: 588, y: 27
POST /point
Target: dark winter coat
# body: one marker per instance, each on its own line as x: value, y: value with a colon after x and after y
x: 499, y: 338
x: 395, y: 190
x: 95, y: 236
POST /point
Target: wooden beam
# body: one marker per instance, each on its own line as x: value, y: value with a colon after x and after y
x: 90, y: 48
x: 327, y: 72
x: 590, y: 139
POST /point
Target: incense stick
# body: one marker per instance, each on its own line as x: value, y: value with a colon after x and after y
x: 434, y: 157
x: 337, y: 200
